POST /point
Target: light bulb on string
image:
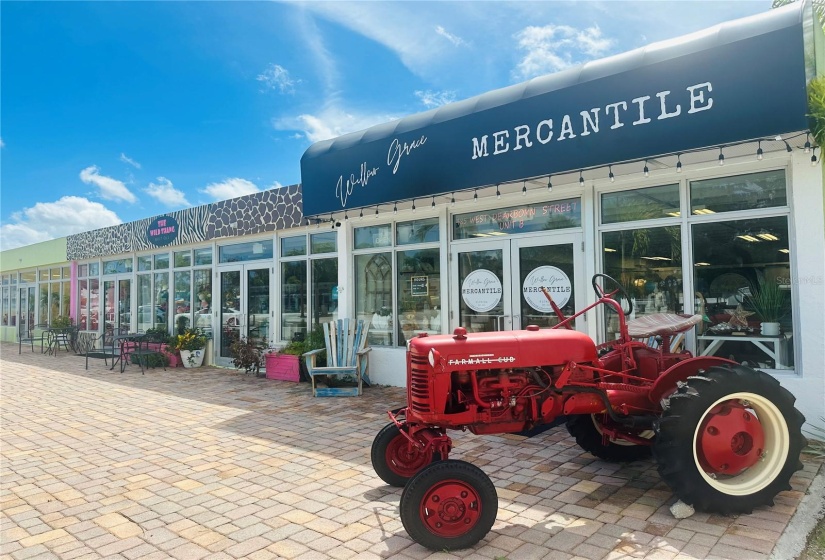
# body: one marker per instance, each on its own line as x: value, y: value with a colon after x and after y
x: 376, y: 211
x: 581, y: 179
x: 813, y: 157
x: 610, y: 174
x: 361, y: 214
x: 433, y: 204
x: 721, y: 157
x: 452, y: 199
x: 475, y: 196
x: 524, y: 189
x: 678, y: 163
x: 413, y: 206
x: 395, y: 208
x: 807, y: 143
x: 787, y: 147
x: 498, y: 193
x: 317, y: 223
x: 759, y: 152
x: 646, y: 170
x: 549, y: 184
x: 346, y: 216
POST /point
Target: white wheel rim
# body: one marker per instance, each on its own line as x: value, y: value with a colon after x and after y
x: 647, y: 434
x: 777, y: 444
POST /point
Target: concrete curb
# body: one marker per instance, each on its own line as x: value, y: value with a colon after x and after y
x: 811, y: 509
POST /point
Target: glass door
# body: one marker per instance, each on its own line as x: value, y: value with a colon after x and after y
x: 499, y: 282
x: 26, y: 311
x: 117, y: 305
x: 244, y: 308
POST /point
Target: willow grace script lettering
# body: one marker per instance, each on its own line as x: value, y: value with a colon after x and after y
x: 342, y: 190
x: 640, y: 110
x: 482, y: 286
x: 398, y: 150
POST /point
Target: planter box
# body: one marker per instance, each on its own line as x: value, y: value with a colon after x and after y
x: 282, y: 366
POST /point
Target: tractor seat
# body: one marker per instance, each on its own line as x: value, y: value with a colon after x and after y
x: 661, y: 324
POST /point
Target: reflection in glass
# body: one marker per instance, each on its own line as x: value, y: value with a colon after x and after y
x: 323, y: 242
x: 161, y: 311
x: 324, y: 285
x: 183, y: 301
x: 641, y: 204
x: 257, y: 306
x: 183, y: 258
x: 202, y: 281
x: 560, y: 257
x: 490, y: 316
x: 419, y: 290
x: 293, y: 300
x: 546, y: 216
x: 294, y: 246
x: 203, y: 256
x: 373, y: 236
x: 144, y: 302
x: 94, y: 304
x: 740, y: 192
x: 418, y: 231
x: 230, y: 313
x: 253, y: 250
x: 373, y: 295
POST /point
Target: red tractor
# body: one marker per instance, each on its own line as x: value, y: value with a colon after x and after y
x: 726, y: 438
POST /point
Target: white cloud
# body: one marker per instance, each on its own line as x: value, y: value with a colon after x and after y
x: 126, y: 159
x: 230, y: 188
x: 554, y: 47
x: 454, y: 39
x: 276, y: 77
x: 110, y: 189
x: 166, y: 193
x: 2, y: 144
x: 330, y: 122
x: 432, y: 99
x: 50, y: 220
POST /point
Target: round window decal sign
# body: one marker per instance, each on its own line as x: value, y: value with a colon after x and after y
x: 481, y: 290
x: 552, y: 278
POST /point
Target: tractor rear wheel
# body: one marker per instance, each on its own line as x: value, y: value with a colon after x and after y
x: 729, y: 440
x: 449, y: 505
x: 587, y: 429
x: 394, y: 460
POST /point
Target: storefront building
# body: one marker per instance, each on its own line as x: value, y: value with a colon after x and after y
x: 683, y: 169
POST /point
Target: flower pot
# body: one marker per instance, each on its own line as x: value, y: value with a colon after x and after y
x: 283, y: 366
x: 192, y: 358
x: 770, y: 329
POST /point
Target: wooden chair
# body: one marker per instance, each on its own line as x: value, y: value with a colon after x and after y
x: 346, y: 355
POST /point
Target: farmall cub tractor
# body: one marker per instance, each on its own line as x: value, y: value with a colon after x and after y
x: 726, y: 438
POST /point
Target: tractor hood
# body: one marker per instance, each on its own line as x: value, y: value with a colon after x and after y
x: 506, y: 349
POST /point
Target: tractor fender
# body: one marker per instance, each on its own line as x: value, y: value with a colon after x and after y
x: 666, y: 382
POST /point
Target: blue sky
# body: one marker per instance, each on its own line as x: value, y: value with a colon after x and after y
x: 116, y: 111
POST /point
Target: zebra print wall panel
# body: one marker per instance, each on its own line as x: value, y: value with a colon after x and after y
x: 271, y: 210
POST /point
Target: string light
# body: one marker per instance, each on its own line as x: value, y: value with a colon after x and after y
x: 678, y: 163
x: 581, y: 179
x: 376, y: 211
x: 413, y: 206
x: 306, y: 221
x: 787, y: 146
x: 524, y: 189
x: 361, y: 214
x: 610, y: 175
x: 759, y: 152
x: 452, y: 199
x: 475, y: 196
x: 549, y: 184
x: 498, y: 193
x: 395, y: 208
x: 721, y: 157
x: 317, y: 223
x: 433, y: 204
x: 346, y: 217
x: 646, y: 170
x: 813, y: 157
x: 807, y: 143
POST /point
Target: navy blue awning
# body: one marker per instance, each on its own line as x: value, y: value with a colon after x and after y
x: 736, y: 81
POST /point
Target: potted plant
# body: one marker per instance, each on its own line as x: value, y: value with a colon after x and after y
x: 284, y: 364
x: 246, y: 354
x: 769, y: 302
x: 191, y: 344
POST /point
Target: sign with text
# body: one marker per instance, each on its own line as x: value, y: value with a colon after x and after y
x: 554, y: 280
x: 162, y: 231
x: 419, y: 286
x: 681, y: 97
x: 481, y: 290
x: 519, y: 219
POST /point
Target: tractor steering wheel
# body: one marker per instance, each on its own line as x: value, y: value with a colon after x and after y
x: 600, y: 292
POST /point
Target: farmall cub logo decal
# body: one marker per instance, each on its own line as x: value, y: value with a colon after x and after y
x: 552, y: 278
x: 481, y: 290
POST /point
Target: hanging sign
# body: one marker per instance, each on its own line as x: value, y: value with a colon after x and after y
x: 419, y: 286
x: 481, y: 290
x: 552, y: 278
x: 162, y: 231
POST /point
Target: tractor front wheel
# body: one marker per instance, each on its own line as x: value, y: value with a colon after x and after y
x: 587, y: 429
x: 395, y: 461
x: 729, y: 440
x: 449, y: 505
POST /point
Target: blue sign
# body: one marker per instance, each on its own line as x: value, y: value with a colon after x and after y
x: 162, y: 231
x: 739, y: 84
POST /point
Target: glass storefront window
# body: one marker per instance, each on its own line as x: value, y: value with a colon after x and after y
x: 183, y: 258
x: 323, y: 243
x: 202, y: 282
x: 144, y: 263
x: 183, y: 301
x: 373, y: 236
x: 13, y: 308
x: 116, y: 266
x: 161, y: 262
x: 94, y: 269
x: 82, y: 270
x: 43, y: 308
x: 374, y: 295
x: 144, y: 302
x: 5, y: 306
x: 294, y: 246
x: 56, y: 273
x: 83, y: 307
x: 518, y: 219
x: 648, y: 263
x: 743, y: 281
x: 44, y: 275
x: 94, y: 304
x: 27, y: 277
x: 203, y: 256
x: 641, y: 204
x: 161, y: 293
x: 419, y: 292
x: 324, y: 288
x: 740, y: 192
x: 417, y: 231
x: 294, y: 300
x: 254, y: 250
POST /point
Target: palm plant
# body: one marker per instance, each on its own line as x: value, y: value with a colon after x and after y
x: 768, y: 300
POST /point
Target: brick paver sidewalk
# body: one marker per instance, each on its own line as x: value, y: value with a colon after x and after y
x: 212, y: 463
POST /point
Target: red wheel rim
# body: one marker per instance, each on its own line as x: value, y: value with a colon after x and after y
x: 731, y: 439
x: 450, y: 508
x: 405, y: 459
